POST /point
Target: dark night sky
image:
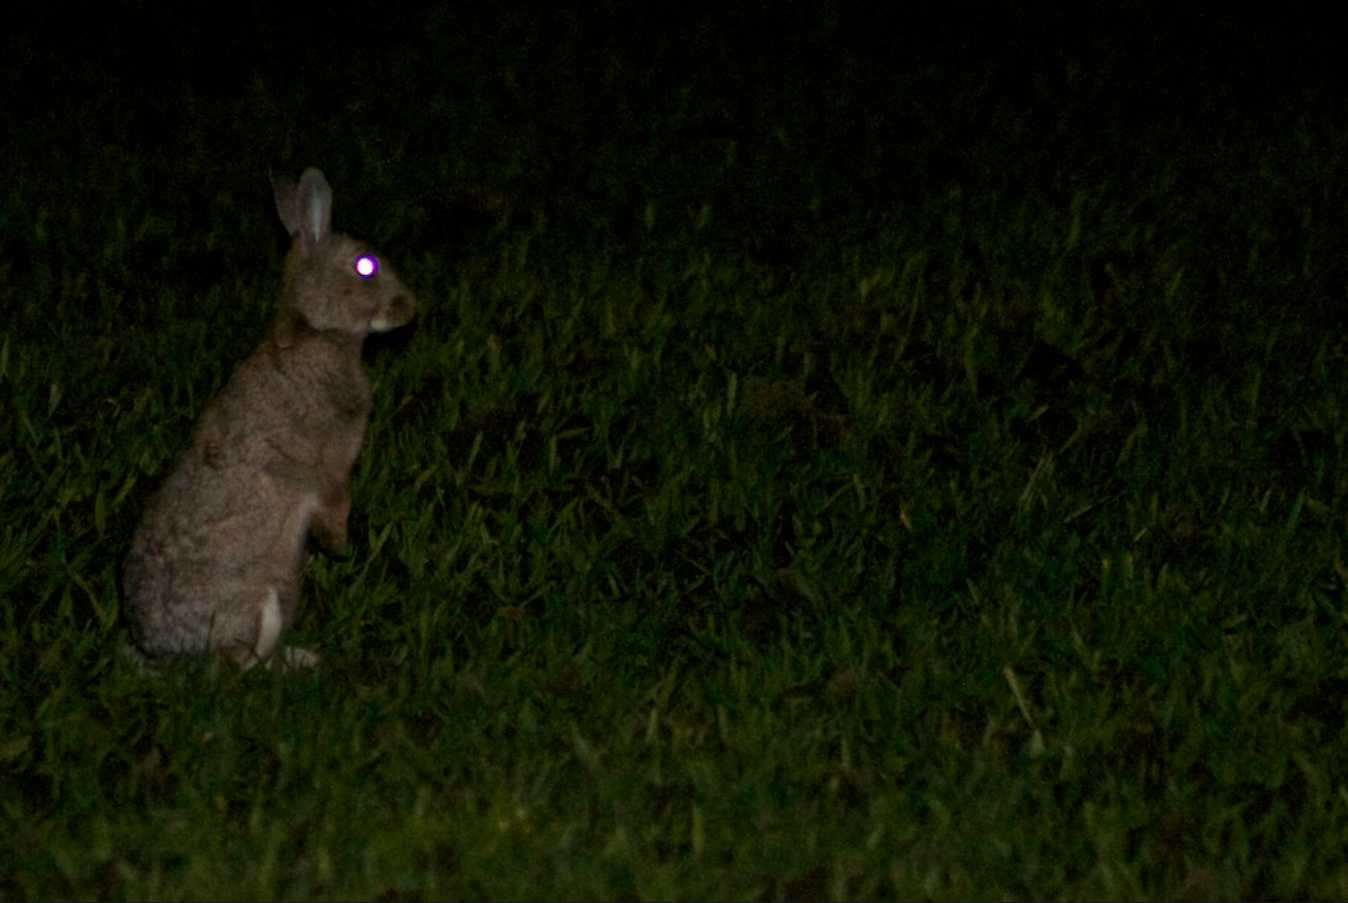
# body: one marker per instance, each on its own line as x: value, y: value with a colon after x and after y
x: 215, y: 46
x: 836, y: 71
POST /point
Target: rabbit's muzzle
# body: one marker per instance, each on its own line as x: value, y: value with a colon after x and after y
x: 399, y: 311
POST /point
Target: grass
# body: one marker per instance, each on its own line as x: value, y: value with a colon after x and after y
x: 748, y: 515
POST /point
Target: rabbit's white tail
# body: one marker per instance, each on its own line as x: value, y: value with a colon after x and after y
x: 269, y: 626
x: 270, y: 623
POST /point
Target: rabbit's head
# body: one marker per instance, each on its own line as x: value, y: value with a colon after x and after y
x: 332, y: 282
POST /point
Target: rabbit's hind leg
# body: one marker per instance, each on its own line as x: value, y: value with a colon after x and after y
x: 295, y: 658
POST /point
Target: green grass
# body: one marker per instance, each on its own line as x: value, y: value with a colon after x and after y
x: 745, y: 517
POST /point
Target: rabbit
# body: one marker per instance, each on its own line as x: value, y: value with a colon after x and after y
x: 215, y: 563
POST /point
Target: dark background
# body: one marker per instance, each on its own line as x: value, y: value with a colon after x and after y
x: 884, y: 103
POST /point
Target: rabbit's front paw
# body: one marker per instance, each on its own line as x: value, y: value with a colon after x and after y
x: 340, y: 549
x: 329, y: 530
x: 329, y: 523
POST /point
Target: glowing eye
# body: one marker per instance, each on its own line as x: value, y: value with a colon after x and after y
x: 367, y: 265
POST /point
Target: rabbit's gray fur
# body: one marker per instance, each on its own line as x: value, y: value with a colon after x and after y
x: 215, y: 563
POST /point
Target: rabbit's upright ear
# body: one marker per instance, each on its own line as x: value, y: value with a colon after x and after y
x: 286, y: 207
x: 306, y: 206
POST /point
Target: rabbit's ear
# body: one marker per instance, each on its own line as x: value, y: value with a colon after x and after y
x: 286, y: 195
x: 306, y: 206
x: 315, y: 198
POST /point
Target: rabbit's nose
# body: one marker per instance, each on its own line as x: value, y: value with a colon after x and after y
x: 397, y: 312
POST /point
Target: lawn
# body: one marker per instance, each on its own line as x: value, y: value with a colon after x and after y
x: 806, y: 478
